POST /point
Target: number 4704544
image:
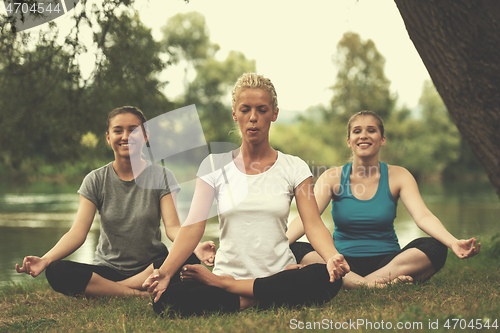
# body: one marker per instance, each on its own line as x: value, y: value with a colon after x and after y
x: 473, y: 323
x: 39, y: 8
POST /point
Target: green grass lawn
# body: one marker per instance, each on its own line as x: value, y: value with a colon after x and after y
x: 464, y: 295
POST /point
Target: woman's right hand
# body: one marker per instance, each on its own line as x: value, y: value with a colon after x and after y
x: 32, y: 266
x: 206, y: 252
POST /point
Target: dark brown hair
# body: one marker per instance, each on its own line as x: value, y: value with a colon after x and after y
x: 126, y: 109
x: 366, y: 113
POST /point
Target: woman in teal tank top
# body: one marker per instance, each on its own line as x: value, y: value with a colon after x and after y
x: 364, y: 196
x: 365, y: 226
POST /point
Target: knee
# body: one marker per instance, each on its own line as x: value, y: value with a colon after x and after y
x: 321, y: 281
x: 195, y: 298
x: 65, y: 278
x: 53, y: 273
x: 306, y: 286
x: 435, y: 251
x: 439, y: 256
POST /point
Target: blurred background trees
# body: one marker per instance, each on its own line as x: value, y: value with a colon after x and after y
x: 423, y: 140
x: 186, y: 40
x: 52, y: 116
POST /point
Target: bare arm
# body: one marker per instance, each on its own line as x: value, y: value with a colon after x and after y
x: 185, y: 241
x: 68, y: 243
x: 204, y: 251
x: 323, y: 192
x: 425, y: 220
x: 317, y: 232
x: 169, y: 215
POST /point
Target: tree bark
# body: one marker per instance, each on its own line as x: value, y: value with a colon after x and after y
x: 459, y: 43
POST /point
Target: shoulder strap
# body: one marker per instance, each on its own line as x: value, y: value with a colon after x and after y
x: 346, y: 173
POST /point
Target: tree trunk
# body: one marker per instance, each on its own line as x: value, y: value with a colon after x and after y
x: 459, y: 43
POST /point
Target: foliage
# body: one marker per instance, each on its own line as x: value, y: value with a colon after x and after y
x: 44, y: 109
x: 40, y: 105
x: 51, y: 115
x: 128, y: 70
x: 186, y: 38
x: 50, y: 105
x: 361, y: 82
x: 424, y: 140
x: 208, y: 90
x: 492, y: 248
x: 292, y: 140
x: 426, y: 144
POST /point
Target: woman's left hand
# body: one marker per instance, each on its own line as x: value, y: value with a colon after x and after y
x: 156, y: 284
x: 337, y: 267
x: 206, y: 253
x: 466, y: 248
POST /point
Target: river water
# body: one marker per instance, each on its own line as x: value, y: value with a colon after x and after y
x: 33, y: 219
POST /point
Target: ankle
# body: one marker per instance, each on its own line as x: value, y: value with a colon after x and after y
x: 246, y: 302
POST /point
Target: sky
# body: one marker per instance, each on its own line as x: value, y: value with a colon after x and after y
x: 293, y: 42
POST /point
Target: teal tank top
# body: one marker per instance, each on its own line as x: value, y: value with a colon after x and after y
x: 364, y: 228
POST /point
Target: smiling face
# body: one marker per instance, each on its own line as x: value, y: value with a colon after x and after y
x: 121, y: 136
x: 254, y: 113
x: 365, y: 138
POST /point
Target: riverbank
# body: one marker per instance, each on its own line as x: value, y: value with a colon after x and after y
x: 464, y: 295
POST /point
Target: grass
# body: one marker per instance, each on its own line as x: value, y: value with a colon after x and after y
x: 463, y: 291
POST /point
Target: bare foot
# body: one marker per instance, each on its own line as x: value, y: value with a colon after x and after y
x: 293, y: 266
x: 136, y: 281
x: 247, y: 302
x: 141, y: 293
x: 399, y: 279
x: 202, y: 274
x: 403, y: 279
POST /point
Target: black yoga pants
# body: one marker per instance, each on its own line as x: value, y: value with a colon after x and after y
x: 297, y: 287
x: 71, y: 278
x: 433, y: 249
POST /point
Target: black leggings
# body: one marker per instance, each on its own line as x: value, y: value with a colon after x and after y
x: 71, y: 278
x: 296, y: 287
x: 433, y: 249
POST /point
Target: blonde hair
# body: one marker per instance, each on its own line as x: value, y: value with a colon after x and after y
x: 366, y: 113
x: 254, y: 81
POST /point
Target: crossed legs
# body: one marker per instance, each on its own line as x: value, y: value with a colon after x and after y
x: 412, y: 263
x: 72, y: 278
x: 201, y: 291
x: 99, y: 286
x: 408, y: 266
x: 242, y: 288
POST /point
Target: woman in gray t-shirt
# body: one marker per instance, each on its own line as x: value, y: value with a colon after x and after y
x: 131, y: 196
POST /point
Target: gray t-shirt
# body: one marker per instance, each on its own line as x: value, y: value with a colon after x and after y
x: 129, y: 211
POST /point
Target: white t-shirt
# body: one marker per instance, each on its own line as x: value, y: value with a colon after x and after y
x: 253, y: 214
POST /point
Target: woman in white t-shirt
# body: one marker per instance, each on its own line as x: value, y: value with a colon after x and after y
x: 254, y: 186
